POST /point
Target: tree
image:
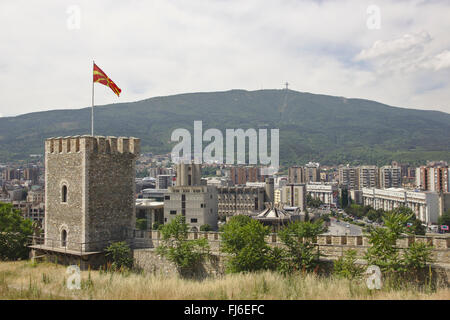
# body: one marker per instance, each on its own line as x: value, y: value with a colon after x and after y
x: 414, y: 225
x: 156, y: 226
x: 313, y: 203
x: 244, y: 239
x: 383, y: 251
x: 298, y: 237
x: 176, y: 247
x: 343, y: 199
x: 14, y: 233
x: 205, y: 227
x: 141, y: 224
x: 119, y: 253
x: 445, y: 218
x: 346, y: 266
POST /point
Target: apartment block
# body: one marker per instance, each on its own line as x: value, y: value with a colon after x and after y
x: 390, y: 177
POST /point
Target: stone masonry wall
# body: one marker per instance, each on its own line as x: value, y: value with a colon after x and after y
x: 64, y: 168
x: 330, y: 246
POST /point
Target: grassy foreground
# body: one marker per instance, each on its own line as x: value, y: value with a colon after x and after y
x: 24, y: 280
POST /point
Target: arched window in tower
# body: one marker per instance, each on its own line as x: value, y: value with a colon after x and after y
x: 64, y: 194
x: 63, y: 238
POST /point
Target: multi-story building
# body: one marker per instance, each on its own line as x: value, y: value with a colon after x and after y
x: 277, y: 196
x: 308, y: 173
x: 424, y: 204
x: 242, y: 175
x: 312, y: 172
x: 164, y: 181
x: 296, y: 175
x: 368, y: 176
x: 390, y: 177
x: 150, y: 210
x: 36, y: 195
x: 154, y: 172
x: 11, y: 174
x: 35, y: 212
x: 349, y: 177
x: 433, y: 178
x: 31, y: 174
x: 294, y: 195
x: 251, y: 198
x: 198, y: 204
x: 189, y: 198
x: 240, y: 199
x: 188, y: 174
x: 325, y: 192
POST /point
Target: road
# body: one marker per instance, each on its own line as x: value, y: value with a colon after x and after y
x: 340, y: 229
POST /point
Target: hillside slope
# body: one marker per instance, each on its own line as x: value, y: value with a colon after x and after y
x: 313, y: 127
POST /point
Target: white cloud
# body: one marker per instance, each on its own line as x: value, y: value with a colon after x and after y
x: 406, y: 43
x: 439, y: 61
x: 161, y: 47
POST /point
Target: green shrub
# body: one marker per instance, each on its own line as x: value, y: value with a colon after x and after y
x: 384, y: 253
x: 346, y: 266
x: 176, y: 247
x: 156, y: 226
x: 244, y: 239
x: 14, y: 233
x: 119, y: 256
x: 301, y: 252
x: 141, y: 224
x: 205, y: 228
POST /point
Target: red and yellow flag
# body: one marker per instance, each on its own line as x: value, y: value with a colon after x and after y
x: 101, y: 77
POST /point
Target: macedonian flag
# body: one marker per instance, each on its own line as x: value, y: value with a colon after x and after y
x: 101, y: 77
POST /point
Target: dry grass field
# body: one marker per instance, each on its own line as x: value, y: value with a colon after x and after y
x: 25, y: 280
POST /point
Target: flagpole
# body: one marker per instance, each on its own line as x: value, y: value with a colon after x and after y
x: 92, y: 110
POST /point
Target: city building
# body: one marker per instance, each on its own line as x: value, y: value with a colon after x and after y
x: 153, y: 194
x: 349, y: 177
x: 424, y: 204
x: 294, y: 195
x: 36, y: 195
x: 308, y: 173
x: 325, y: 192
x: 164, y: 181
x: 368, y: 177
x: 31, y: 174
x: 188, y: 174
x: 312, y: 172
x: 241, y: 175
x: 198, y: 204
x: 240, y: 199
x: 390, y: 177
x: 296, y: 175
x: 277, y: 196
x: 150, y: 210
x: 433, y: 178
x: 191, y: 199
x: 251, y: 198
x: 156, y: 171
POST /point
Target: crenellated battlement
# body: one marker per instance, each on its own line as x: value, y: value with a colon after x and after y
x: 90, y: 144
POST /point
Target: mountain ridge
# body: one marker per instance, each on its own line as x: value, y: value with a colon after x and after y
x: 316, y: 127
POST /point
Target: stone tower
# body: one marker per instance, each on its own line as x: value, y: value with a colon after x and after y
x: 89, y: 191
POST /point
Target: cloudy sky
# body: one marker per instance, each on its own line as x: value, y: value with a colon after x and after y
x: 396, y: 52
